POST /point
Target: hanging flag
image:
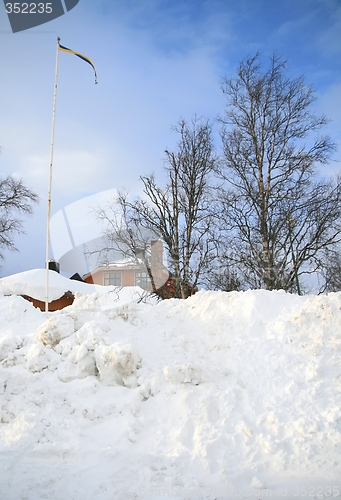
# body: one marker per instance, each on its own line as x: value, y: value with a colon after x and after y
x: 65, y: 49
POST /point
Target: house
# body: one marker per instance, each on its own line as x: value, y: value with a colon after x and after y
x: 125, y: 272
x: 132, y: 271
x: 55, y: 305
x: 31, y: 285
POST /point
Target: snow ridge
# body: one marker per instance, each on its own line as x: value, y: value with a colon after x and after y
x: 224, y: 395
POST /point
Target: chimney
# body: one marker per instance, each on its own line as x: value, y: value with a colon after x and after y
x: 54, y: 266
x: 156, y: 252
x: 159, y: 272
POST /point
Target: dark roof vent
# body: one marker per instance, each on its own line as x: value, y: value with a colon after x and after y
x: 77, y: 277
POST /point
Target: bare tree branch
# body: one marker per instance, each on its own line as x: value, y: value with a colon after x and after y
x: 16, y: 201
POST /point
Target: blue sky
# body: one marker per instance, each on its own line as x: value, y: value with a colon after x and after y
x: 157, y: 61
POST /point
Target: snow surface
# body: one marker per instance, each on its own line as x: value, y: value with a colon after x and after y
x: 223, y: 395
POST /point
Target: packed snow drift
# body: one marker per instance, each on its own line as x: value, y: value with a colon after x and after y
x: 222, y: 395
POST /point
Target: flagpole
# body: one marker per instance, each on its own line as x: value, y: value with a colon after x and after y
x: 50, y: 182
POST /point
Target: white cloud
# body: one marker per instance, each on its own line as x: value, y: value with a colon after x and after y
x: 78, y: 171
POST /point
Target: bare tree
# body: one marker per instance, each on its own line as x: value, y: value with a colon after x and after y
x: 278, y: 213
x: 123, y: 235
x: 16, y: 201
x: 225, y: 278
x: 330, y: 271
x: 180, y: 213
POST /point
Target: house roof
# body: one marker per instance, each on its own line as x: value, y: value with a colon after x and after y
x: 121, y: 264
x: 33, y: 284
x: 128, y: 261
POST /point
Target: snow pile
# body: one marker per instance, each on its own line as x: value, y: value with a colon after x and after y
x: 224, y: 395
x: 33, y: 284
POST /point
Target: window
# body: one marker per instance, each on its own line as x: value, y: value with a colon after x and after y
x: 113, y: 279
x: 142, y: 279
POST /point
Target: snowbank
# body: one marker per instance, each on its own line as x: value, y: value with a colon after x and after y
x: 224, y: 395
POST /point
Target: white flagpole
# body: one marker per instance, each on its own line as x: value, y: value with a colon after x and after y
x: 50, y: 183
